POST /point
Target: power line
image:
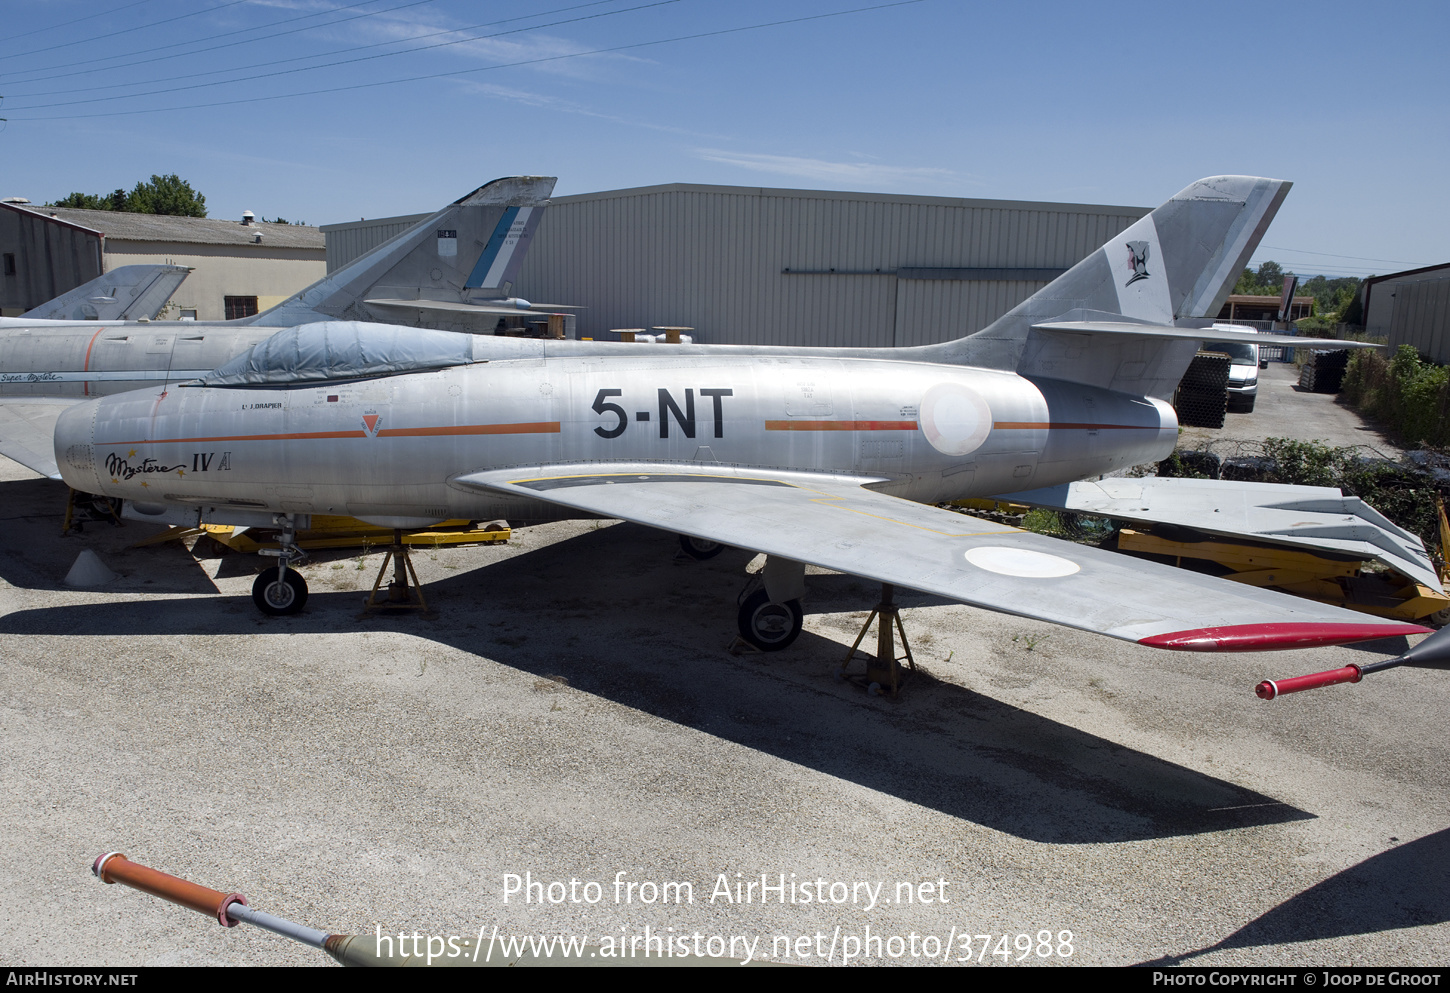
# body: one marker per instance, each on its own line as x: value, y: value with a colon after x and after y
x: 233, y: 42
x: 464, y: 72
x: 343, y: 62
x: 73, y: 23
x: 140, y: 27
x: 1360, y: 258
x: 299, y: 58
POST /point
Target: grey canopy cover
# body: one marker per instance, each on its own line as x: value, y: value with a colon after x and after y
x: 342, y: 350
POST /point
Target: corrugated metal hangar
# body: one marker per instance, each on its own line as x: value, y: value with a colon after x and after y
x: 1411, y: 308
x: 745, y: 265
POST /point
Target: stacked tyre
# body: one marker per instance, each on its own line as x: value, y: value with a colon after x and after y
x: 1203, y: 393
x: 1324, y: 372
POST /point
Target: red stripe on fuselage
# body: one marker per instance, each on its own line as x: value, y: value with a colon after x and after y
x: 840, y: 425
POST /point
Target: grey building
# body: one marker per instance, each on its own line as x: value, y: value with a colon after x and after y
x: 240, y: 267
x: 746, y: 265
x: 1411, y: 308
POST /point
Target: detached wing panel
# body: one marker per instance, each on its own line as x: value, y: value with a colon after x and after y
x: 835, y: 523
x: 27, y: 432
x: 1314, y: 518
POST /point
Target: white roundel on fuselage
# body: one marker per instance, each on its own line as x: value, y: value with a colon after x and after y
x: 954, y: 419
x: 1020, y: 562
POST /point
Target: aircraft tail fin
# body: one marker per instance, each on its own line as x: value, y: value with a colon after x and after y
x: 473, y: 247
x: 1174, y: 267
x: 127, y: 293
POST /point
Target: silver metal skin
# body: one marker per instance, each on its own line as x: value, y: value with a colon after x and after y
x: 581, y: 403
x: 821, y: 456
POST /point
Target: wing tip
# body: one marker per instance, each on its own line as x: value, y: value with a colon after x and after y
x: 1269, y: 637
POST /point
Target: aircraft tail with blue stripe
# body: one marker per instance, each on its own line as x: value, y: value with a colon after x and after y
x: 455, y: 268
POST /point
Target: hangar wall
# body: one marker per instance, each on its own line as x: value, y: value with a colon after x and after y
x: 1412, y: 308
x: 42, y: 258
x: 747, y: 265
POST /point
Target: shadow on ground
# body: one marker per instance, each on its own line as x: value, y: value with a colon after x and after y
x: 1407, y: 886
x: 638, y: 624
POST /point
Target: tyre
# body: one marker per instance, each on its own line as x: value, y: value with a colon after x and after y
x: 767, y: 625
x: 279, y: 595
x: 700, y: 548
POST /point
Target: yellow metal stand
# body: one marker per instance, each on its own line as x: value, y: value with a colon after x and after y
x: 402, y: 594
x: 347, y: 532
x: 884, y: 670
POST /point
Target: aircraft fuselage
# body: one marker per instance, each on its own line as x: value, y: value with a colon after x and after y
x: 388, y: 446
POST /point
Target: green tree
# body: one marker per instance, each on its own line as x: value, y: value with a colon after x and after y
x: 80, y: 201
x: 1268, y: 281
x: 166, y: 195
x: 161, y: 195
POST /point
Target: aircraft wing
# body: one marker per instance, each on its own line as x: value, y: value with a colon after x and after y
x: 836, y: 523
x: 27, y: 431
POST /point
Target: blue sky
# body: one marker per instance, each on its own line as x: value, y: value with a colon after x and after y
x: 1118, y: 103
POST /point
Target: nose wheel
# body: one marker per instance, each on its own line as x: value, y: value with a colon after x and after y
x: 281, y: 589
x: 278, y: 593
x: 768, y: 625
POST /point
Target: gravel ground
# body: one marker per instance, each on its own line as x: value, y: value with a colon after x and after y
x: 1285, y: 411
x: 572, y: 714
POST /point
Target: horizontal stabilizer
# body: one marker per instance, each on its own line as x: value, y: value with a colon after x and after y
x: 1165, y: 332
x: 481, y: 308
x: 835, y: 522
x: 1308, y: 518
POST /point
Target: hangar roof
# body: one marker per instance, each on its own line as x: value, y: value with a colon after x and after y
x: 122, y: 226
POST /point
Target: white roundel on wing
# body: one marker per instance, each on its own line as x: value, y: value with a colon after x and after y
x: 1020, y: 562
x: 954, y: 419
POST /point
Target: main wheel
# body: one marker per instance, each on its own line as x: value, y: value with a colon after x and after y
x: 700, y: 548
x: 767, y: 625
x: 277, y: 595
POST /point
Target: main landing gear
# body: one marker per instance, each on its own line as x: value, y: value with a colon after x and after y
x: 770, y: 615
x: 281, y: 590
x: 768, y: 625
x: 700, y: 548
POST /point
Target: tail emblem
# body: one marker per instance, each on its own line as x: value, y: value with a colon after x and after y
x: 1138, y: 259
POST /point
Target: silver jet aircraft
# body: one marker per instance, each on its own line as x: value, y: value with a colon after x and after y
x: 827, y: 456
x: 451, y: 269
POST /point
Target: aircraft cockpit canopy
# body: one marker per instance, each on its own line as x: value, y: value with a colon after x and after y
x: 332, y: 350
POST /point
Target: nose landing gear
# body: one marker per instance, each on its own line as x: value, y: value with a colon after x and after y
x: 277, y: 593
x: 282, y: 590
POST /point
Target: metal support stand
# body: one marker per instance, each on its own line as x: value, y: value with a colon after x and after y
x: 884, y: 672
x: 404, y: 592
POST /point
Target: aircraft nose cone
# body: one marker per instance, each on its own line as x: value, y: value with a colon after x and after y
x: 75, y: 457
